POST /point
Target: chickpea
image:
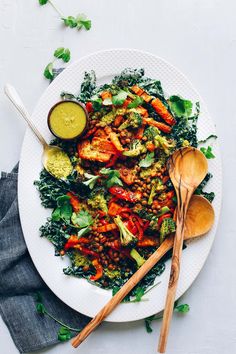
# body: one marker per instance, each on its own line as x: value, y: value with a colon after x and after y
x: 144, y: 138
x: 145, y: 194
x: 144, y: 202
x: 110, y: 267
x: 96, y: 239
x: 127, y: 140
x: 62, y: 253
x: 148, y: 180
x: 154, y: 211
x: 86, y: 268
x: 122, y: 133
x: 100, y: 248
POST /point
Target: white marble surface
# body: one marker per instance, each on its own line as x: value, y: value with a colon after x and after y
x: 199, y: 37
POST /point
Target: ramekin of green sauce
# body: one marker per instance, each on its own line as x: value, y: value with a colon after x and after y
x: 68, y: 120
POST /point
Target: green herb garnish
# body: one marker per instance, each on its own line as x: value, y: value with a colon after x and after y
x: 147, y: 161
x: 92, y: 180
x: 63, y: 210
x: 207, y: 152
x: 112, y: 177
x: 64, y: 332
x: 180, y: 107
x: 80, y: 21
x: 184, y: 308
x: 120, y: 98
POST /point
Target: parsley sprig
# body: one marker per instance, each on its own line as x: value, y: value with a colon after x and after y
x: 80, y: 21
x: 64, y: 332
x: 59, y: 53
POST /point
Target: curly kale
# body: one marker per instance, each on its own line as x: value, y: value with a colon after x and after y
x: 128, y: 77
x: 152, y: 87
x: 50, y: 188
x: 88, y: 87
x: 53, y: 231
x: 199, y: 191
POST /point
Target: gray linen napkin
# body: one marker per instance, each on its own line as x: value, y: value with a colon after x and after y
x: 19, y: 281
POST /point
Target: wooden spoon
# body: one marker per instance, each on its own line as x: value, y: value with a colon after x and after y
x: 199, y: 220
x: 187, y: 168
x: 49, y: 151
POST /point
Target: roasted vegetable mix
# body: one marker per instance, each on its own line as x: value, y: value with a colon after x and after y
x: 117, y: 206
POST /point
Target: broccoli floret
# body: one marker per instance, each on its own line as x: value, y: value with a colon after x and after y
x: 111, y: 274
x: 137, y: 257
x: 136, y: 148
x: 79, y: 261
x: 151, y: 132
x: 107, y: 119
x: 167, y: 145
x: 167, y: 227
x: 134, y: 120
x: 126, y: 237
x: 98, y: 202
x: 157, y: 187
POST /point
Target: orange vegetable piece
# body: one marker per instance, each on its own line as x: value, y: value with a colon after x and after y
x: 161, y: 109
x: 106, y: 228
x: 161, y: 126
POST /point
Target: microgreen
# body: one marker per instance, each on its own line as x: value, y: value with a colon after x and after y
x: 207, y: 152
x: 183, y: 308
x: 80, y: 21
x: 59, y: 53
x: 62, y: 53
x: 147, y: 161
x: 64, y: 332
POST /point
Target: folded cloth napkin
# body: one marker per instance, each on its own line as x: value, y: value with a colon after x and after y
x: 20, y: 281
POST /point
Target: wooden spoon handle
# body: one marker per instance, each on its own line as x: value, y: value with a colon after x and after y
x: 174, y: 275
x: 126, y: 288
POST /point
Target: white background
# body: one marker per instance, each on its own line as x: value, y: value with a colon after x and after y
x: 199, y: 37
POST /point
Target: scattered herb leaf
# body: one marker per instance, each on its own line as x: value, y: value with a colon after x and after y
x: 147, y: 161
x: 120, y: 98
x: 48, y: 71
x: 180, y: 107
x: 91, y: 180
x: 207, y: 152
x: 112, y: 177
x: 83, y: 21
x: 62, y: 53
x: 64, y: 334
x: 83, y: 219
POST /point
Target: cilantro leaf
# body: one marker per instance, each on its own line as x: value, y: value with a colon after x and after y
x: 43, y: 2
x: 40, y: 308
x: 64, y: 334
x: 120, y: 98
x: 139, y: 292
x: 83, y: 21
x: 207, y: 152
x: 136, y: 102
x: 148, y: 322
x: 63, y: 210
x: 48, y: 71
x: 62, y: 53
x: 70, y: 21
x: 184, y: 308
x: 180, y: 107
x: 59, y: 52
x: 112, y: 177
x: 91, y: 180
x: 107, y: 102
x: 83, y: 219
x: 147, y: 161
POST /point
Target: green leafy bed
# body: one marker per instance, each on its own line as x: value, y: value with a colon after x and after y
x: 53, y: 191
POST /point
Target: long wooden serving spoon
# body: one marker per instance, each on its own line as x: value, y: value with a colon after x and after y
x: 199, y: 220
x: 187, y: 168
